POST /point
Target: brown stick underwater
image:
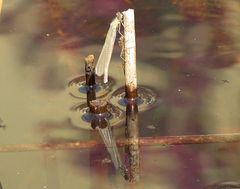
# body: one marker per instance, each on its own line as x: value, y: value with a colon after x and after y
x: 145, y: 141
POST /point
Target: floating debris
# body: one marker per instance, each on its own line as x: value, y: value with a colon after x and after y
x: 225, y: 81
x: 106, y: 161
x: 2, y: 124
x: 151, y: 127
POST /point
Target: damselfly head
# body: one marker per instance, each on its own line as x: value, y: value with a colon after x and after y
x: 119, y: 16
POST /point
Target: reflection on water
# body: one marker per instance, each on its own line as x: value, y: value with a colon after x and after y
x: 225, y: 185
x: 132, y: 134
x: 188, y: 52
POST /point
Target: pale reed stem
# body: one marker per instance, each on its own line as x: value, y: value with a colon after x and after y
x: 130, y: 54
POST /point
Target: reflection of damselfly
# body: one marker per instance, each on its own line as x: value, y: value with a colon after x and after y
x: 106, y: 53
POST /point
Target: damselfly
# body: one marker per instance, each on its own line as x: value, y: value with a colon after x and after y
x: 102, y: 65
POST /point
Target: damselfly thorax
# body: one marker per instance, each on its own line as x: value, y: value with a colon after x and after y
x: 122, y: 54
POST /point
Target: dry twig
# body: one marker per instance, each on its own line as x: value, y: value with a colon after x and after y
x: 145, y: 141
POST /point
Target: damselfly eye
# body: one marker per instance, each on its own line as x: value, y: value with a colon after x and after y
x: 119, y: 16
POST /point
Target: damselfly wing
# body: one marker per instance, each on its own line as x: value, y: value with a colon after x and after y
x: 102, y: 65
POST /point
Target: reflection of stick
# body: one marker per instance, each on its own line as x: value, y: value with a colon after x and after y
x: 90, y: 78
x: 130, y: 54
x: 132, y: 149
x: 98, y: 108
x: 145, y: 141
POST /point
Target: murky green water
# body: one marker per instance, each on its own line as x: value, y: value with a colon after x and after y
x: 187, y: 54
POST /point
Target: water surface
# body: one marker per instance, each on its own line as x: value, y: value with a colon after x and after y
x: 187, y: 53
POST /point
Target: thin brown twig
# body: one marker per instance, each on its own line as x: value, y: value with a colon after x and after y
x: 144, y: 141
